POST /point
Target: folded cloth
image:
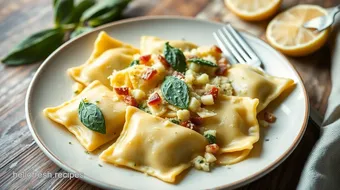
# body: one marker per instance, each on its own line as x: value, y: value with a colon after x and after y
x: 322, y: 170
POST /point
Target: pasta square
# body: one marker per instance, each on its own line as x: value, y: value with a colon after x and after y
x: 154, y: 146
x: 108, y: 55
x: 66, y: 114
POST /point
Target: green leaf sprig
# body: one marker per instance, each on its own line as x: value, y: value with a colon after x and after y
x: 175, y: 92
x: 70, y: 20
x: 174, y: 57
x: 91, y: 116
x: 202, y: 62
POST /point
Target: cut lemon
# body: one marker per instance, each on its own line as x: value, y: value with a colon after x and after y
x: 287, y: 34
x: 253, y: 10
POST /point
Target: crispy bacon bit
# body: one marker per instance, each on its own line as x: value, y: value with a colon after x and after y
x: 197, y: 120
x: 212, y: 148
x: 149, y: 73
x: 163, y: 61
x: 144, y: 58
x: 154, y: 99
x: 122, y: 90
x: 214, y: 92
x: 178, y: 75
x: 216, y: 49
x: 269, y: 117
x: 190, y: 125
x: 131, y: 101
x: 222, y: 70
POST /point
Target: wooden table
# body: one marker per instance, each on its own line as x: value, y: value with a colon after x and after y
x: 19, y: 153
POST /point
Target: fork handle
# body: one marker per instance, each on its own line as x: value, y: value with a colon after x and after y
x: 333, y: 11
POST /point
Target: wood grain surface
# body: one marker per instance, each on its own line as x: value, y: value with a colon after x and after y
x: 19, y: 153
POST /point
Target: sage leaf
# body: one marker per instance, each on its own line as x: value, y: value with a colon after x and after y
x: 114, y: 14
x: 35, y: 47
x: 104, y: 11
x: 174, y: 57
x: 79, y: 9
x: 175, y: 92
x: 134, y: 62
x: 91, y: 116
x: 63, y: 10
x: 80, y: 30
x: 202, y: 62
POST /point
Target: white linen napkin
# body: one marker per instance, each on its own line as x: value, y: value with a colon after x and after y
x: 322, y: 170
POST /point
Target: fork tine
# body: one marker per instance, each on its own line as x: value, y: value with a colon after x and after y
x: 230, y: 47
x: 234, y: 43
x: 225, y: 50
x: 242, y: 42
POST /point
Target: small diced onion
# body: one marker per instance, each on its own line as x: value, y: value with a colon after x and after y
x: 194, y: 104
x: 159, y: 67
x: 209, y: 157
x: 195, y: 67
x: 202, y: 79
x: 207, y: 100
x: 138, y: 94
x: 183, y: 115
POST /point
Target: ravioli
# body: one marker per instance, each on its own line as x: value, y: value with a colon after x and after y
x: 154, y: 45
x: 114, y: 113
x: 108, y: 55
x: 251, y: 82
x: 154, y: 146
x: 235, y: 123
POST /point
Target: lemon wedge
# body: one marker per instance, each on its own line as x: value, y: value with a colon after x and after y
x: 253, y: 10
x: 287, y: 34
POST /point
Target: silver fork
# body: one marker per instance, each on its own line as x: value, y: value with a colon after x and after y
x: 235, y: 47
x: 237, y: 50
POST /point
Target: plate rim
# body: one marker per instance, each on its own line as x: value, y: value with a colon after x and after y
x: 97, y: 182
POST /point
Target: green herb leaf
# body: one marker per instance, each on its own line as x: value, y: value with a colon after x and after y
x: 174, y: 57
x: 35, y: 47
x: 80, y: 30
x: 176, y: 92
x: 202, y: 62
x: 211, y: 138
x: 79, y: 9
x: 114, y: 14
x: 134, y: 62
x: 104, y: 11
x: 175, y: 121
x: 91, y: 116
x: 63, y: 11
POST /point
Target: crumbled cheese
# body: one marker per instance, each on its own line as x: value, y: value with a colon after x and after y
x: 194, y: 104
x: 224, y: 85
x: 201, y: 163
x: 204, y: 113
x: 138, y: 94
x: 202, y: 79
x: 209, y: 157
x: 183, y: 115
x: 207, y: 100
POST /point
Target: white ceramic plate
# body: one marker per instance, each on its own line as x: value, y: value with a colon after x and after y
x: 51, y: 86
